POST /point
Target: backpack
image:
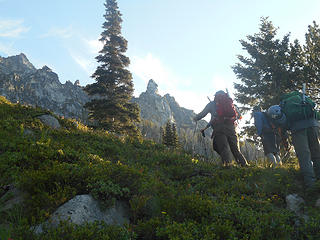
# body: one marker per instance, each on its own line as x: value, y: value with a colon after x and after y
x: 295, y: 109
x: 226, y: 111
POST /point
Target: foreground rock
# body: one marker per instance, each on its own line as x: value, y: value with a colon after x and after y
x: 50, y: 121
x: 11, y: 197
x: 296, y: 204
x: 83, y: 208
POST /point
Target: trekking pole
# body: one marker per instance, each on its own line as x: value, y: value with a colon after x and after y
x: 304, y: 92
x: 227, y: 92
x: 193, y: 140
x: 204, y: 144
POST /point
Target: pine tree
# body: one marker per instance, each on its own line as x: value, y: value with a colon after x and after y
x: 264, y: 74
x: 174, y: 136
x: 312, y: 55
x: 111, y: 107
x: 167, y: 135
x: 162, y: 135
x: 275, y: 67
x: 170, y: 136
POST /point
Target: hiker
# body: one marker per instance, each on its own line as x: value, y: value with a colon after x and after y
x: 269, y: 135
x: 223, y: 117
x: 296, y: 111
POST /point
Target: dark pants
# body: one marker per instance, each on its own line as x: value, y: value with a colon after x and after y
x: 270, y: 142
x: 225, y: 138
x: 307, y: 147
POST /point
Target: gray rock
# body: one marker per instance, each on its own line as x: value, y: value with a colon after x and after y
x: 160, y: 109
x: 83, y: 208
x: 295, y: 204
x: 28, y: 132
x: 11, y: 198
x: 318, y: 203
x: 50, y: 121
x: 152, y: 87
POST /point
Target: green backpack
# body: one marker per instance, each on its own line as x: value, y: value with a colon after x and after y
x: 295, y: 109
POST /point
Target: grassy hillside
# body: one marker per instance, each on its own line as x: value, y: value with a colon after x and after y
x: 171, y: 195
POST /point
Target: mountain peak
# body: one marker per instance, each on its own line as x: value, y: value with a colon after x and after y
x: 23, y: 60
x: 152, y: 87
x: 18, y: 63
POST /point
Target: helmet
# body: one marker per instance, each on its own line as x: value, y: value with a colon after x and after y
x: 274, y: 112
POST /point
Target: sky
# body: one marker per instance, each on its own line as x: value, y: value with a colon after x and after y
x: 187, y: 47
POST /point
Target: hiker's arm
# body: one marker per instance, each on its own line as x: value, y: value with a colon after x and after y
x: 258, y: 123
x: 238, y: 112
x: 203, y: 113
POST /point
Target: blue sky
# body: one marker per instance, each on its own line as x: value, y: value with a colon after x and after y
x: 186, y: 46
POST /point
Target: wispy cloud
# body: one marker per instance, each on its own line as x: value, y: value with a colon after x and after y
x: 58, y: 32
x: 94, y: 46
x: 84, y: 53
x: 151, y: 67
x: 221, y: 83
x: 86, y: 63
x: 12, y: 28
x: 7, y: 49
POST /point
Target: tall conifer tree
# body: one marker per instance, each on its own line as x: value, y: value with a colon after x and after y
x: 111, y: 107
x: 264, y: 73
x: 175, y: 140
x: 312, y: 54
x: 170, y: 136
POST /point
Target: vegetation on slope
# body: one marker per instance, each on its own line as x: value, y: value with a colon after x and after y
x: 171, y: 195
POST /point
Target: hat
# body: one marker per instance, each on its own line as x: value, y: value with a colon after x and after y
x: 219, y: 92
x: 274, y: 112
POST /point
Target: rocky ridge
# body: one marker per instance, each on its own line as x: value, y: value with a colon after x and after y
x: 21, y: 82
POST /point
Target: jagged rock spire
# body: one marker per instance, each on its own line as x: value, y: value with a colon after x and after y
x: 152, y: 87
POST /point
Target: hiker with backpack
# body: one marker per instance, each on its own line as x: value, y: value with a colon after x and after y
x: 296, y: 112
x: 269, y: 135
x: 223, y: 120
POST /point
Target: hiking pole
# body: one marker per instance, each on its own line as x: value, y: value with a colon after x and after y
x: 304, y: 92
x: 204, y: 144
x: 193, y: 140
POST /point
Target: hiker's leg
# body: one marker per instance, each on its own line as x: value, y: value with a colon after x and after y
x: 269, y: 144
x: 278, y: 159
x: 234, y: 147
x: 301, y: 147
x: 223, y: 147
x: 272, y: 159
x: 314, y: 145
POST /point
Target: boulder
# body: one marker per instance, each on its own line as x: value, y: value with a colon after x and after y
x: 12, y: 196
x: 50, y: 121
x: 295, y: 204
x: 84, y: 208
